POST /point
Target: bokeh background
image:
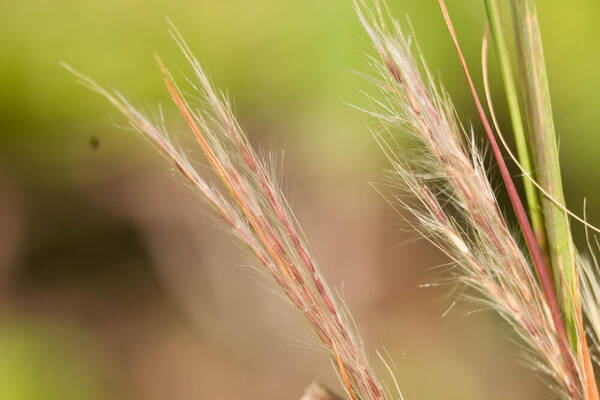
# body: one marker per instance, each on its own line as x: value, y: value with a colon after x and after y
x: 112, y: 283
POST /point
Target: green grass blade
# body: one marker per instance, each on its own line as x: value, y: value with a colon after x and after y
x: 531, y: 64
x: 512, y: 99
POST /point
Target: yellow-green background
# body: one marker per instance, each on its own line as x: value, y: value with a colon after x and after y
x: 89, y: 309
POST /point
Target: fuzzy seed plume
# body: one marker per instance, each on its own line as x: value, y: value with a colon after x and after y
x: 438, y: 177
x: 249, y: 201
x: 589, y: 277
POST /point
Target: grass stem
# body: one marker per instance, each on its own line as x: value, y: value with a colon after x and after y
x: 520, y: 135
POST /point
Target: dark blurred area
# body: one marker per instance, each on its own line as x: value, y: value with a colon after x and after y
x: 114, y: 281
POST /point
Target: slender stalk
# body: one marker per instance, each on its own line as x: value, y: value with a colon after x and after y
x: 538, y: 108
x: 537, y: 257
x: 512, y: 99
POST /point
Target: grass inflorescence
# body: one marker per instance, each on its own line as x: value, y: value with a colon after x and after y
x: 437, y: 181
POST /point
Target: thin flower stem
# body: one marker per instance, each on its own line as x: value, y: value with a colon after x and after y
x: 534, y: 250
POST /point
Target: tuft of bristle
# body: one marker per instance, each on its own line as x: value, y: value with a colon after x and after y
x: 589, y: 276
x: 252, y: 205
x: 442, y: 182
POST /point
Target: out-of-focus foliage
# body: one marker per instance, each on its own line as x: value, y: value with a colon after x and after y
x: 280, y: 60
x: 48, y: 362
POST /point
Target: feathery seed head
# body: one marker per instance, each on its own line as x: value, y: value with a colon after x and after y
x: 442, y: 183
x: 251, y: 204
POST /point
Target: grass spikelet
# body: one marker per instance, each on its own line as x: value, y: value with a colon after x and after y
x: 251, y: 204
x: 590, y: 297
x: 437, y: 181
x: 589, y: 273
x: 441, y: 181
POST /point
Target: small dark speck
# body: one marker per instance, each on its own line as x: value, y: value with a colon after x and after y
x: 94, y: 143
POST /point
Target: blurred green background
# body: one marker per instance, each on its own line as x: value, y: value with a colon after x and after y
x: 112, y: 285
